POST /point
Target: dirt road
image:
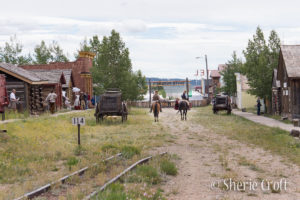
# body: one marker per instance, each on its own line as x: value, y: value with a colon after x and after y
x: 208, y: 161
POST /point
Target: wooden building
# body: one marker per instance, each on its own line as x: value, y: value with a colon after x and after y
x: 33, y: 87
x: 286, y: 83
x: 215, y: 76
x: 80, y: 70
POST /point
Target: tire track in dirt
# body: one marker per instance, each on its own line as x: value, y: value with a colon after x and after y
x: 207, y: 157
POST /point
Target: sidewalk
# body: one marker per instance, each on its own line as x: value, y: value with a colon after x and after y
x: 265, y: 121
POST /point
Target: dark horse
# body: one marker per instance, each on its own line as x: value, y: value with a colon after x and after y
x: 156, y: 109
x: 183, y: 108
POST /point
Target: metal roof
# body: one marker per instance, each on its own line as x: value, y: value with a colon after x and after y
x: 291, y: 58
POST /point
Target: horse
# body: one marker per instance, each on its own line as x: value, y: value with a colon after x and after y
x: 156, y: 109
x: 97, y: 113
x: 183, y: 108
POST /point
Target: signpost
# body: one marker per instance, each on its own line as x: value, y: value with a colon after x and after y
x: 79, y: 121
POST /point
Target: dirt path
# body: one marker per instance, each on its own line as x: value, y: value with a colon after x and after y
x: 206, y: 158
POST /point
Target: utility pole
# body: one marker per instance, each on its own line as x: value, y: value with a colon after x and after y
x: 207, y: 84
x: 149, y: 93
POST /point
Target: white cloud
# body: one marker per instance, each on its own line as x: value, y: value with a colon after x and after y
x: 164, y: 37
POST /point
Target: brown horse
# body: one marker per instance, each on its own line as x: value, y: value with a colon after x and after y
x: 156, y: 109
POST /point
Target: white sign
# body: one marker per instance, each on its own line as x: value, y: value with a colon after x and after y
x: 78, y: 120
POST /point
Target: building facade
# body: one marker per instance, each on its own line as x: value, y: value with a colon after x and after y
x: 286, y: 83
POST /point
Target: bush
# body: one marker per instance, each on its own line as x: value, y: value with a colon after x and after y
x: 129, y: 151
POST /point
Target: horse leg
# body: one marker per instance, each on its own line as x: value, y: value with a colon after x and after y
x: 185, y: 114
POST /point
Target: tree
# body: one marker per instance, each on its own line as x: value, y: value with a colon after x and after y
x: 42, y: 54
x: 12, y: 53
x: 57, y: 53
x: 233, y: 66
x: 52, y: 53
x: 112, y: 67
x: 261, y: 59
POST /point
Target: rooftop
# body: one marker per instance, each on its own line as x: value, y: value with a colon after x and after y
x: 291, y: 58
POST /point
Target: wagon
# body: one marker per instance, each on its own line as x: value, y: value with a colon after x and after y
x: 221, y: 102
x: 111, y: 105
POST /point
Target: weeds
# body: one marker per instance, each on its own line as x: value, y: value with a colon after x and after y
x: 129, y: 151
x: 168, y: 167
x: 148, y: 173
x: 33, y: 149
x: 71, y: 162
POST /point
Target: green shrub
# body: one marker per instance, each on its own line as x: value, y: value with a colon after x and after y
x: 148, y: 173
x: 130, y: 151
x: 168, y: 167
x: 72, y: 161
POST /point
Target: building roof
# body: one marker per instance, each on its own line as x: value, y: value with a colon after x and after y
x: 55, y: 75
x: 222, y: 67
x: 291, y: 58
x: 22, y: 74
x: 215, y: 74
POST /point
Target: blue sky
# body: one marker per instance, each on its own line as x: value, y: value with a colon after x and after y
x: 164, y: 36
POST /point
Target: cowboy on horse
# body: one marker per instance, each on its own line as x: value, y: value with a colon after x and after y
x: 185, y: 98
x: 155, y: 98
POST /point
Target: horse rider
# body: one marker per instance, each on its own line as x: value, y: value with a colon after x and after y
x: 156, y: 97
x: 185, y: 97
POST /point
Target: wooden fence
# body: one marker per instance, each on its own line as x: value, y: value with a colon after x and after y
x: 145, y: 104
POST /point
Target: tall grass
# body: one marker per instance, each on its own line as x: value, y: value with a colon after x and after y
x: 36, y: 151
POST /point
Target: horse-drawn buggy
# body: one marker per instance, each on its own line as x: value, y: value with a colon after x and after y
x: 111, y: 104
x: 222, y: 102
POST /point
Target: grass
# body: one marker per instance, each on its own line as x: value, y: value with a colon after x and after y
x: 143, y: 182
x: 10, y: 114
x: 36, y: 151
x: 168, y: 167
x: 274, y: 140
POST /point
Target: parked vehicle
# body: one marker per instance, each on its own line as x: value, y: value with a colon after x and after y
x: 222, y: 102
x: 111, y: 105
